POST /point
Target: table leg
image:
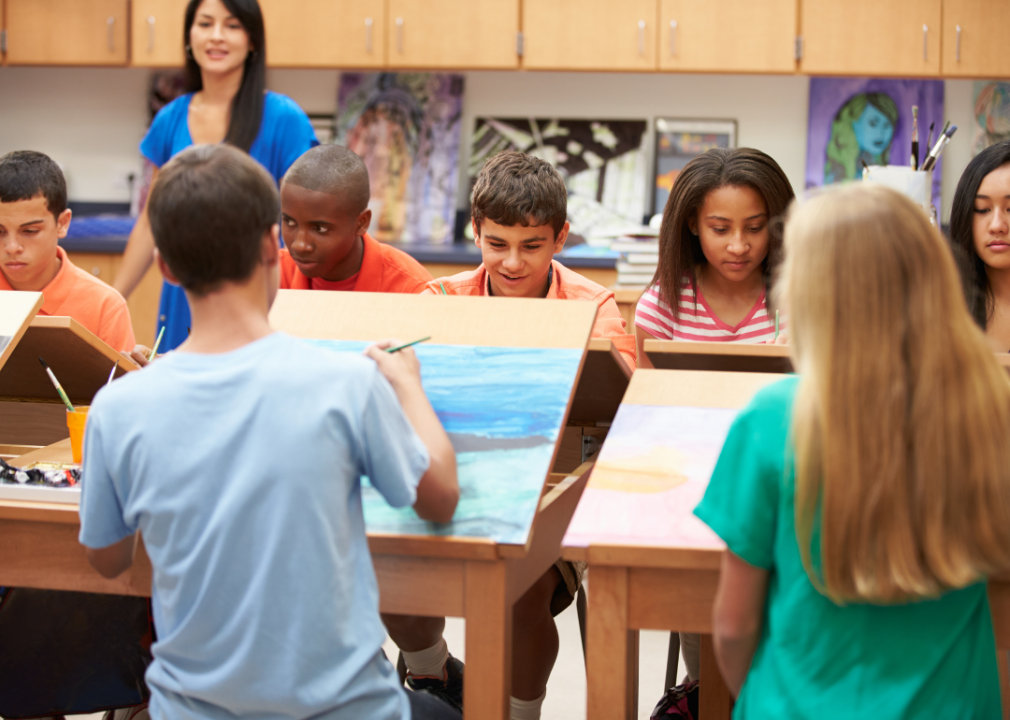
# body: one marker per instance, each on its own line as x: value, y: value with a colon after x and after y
x: 487, y: 681
x: 714, y: 702
x: 611, y: 648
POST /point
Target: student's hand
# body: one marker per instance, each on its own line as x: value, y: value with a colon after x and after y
x: 402, y: 368
x: 783, y: 338
x: 138, y: 355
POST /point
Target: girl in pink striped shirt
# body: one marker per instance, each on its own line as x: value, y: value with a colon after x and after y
x: 716, y: 256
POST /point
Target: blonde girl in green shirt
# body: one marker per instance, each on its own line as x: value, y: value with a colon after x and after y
x: 865, y: 501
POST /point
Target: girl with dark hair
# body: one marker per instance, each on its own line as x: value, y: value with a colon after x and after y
x: 225, y: 101
x: 716, y: 254
x: 980, y: 235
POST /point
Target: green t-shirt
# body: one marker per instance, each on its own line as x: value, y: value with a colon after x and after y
x: 926, y: 659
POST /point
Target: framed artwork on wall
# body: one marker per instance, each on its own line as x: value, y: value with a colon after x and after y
x: 677, y: 142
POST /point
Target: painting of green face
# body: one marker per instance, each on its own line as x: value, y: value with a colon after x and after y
x: 874, y: 131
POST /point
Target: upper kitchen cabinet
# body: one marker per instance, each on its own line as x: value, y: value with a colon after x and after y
x: 975, y: 38
x: 66, y: 32
x: 437, y: 34
x: 325, y: 33
x: 156, y: 33
x: 728, y: 35
x: 898, y: 38
x: 589, y: 34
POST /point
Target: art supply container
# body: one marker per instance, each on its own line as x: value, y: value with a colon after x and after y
x: 916, y: 184
x: 75, y: 423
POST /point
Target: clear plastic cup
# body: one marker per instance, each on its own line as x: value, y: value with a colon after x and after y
x: 75, y: 423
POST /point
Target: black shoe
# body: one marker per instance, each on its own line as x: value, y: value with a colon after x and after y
x: 450, y: 690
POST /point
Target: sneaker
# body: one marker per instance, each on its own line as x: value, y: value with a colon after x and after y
x: 450, y: 690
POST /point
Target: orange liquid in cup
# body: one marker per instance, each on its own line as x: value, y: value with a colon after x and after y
x: 75, y: 423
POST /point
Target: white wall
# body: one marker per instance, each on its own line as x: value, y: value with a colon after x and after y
x: 91, y: 120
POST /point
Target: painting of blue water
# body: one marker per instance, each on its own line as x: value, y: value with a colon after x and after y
x: 503, y: 409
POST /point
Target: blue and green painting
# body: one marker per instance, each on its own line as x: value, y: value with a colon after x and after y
x: 503, y: 409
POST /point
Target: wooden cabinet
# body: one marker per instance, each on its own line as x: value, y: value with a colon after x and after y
x: 436, y: 34
x: 975, y: 38
x: 728, y: 35
x: 325, y: 33
x: 899, y: 38
x: 589, y: 34
x: 156, y: 33
x: 67, y: 32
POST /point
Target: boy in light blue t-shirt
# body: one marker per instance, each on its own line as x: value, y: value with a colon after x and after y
x: 239, y: 458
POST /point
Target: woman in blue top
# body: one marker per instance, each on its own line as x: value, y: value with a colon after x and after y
x: 224, y: 102
x: 865, y: 502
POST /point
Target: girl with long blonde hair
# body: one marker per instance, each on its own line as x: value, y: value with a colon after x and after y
x: 865, y: 501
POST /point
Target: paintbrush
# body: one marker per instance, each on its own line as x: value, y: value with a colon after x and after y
x: 407, y: 345
x: 59, y: 388
x: 112, y: 373
x: 929, y: 137
x: 154, y: 350
x: 934, y: 154
x: 915, y: 138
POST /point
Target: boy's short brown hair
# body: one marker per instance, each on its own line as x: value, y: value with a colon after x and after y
x: 516, y: 189
x: 209, y: 211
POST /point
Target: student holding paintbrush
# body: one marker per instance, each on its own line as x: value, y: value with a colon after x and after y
x: 265, y: 600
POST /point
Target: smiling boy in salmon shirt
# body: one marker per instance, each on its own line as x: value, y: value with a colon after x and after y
x: 325, y: 218
x: 33, y: 218
x: 520, y: 209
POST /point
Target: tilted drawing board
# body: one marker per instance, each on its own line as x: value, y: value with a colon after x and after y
x: 16, y: 311
x: 602, y: 384
x: 31, y: 412
x: 500, y: 373
x: 656, y: 462
x: 733, y: 357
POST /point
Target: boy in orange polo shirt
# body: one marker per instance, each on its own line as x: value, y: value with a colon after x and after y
x: 520, y: 210
x: 33, y: 217
x: 325, y: 218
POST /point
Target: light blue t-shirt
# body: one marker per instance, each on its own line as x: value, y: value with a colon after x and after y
x: 285, y: 134
x: 242, y: 472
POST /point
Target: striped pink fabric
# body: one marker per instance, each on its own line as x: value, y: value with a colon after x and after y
x: 696, y: 322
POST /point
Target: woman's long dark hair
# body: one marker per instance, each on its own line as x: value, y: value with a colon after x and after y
x: 679, y: 248
x: 247, y: 106
x: 977, y: 290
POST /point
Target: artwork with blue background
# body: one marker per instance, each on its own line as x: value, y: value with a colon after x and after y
x: 857, y: 120
x: 503, y: 409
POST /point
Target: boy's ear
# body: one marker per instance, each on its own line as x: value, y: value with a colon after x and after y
x: 364, y: 220
x: 165, y: 271
x: 270, y: 250
x: 63, y: 223
x: 476, y: 231
x: 559, y: 241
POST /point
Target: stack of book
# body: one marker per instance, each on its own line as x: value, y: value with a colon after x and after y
x: 637, y: 259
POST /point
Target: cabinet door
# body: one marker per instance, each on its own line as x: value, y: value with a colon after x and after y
x: 870, y: 37
x: 66, y: 32
x: 325, y: 33
x: 102, y: 265
x: 156, y: 33
x: 728, y: 35
x: 589, y: 34
x: 975, y: 38
x: 436, y: 34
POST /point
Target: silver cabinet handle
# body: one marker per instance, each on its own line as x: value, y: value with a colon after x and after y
x: 957, y: 46
x: 399, y: 35
x: 641, y: 37
x: 150, y: 33
x: 673, y: 38
x: 925, y: 43
x: 111, y: 25
x: 368, y: 35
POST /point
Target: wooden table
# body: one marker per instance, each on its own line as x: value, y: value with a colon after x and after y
x: 458, y: 577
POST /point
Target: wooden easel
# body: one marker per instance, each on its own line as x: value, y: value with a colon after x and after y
x: 733, y: 357
x: 657, y: 580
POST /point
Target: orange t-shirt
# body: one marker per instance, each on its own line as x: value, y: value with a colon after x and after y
x: 383, y: 269
x: 565, y: 285
x: 80, y: 295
